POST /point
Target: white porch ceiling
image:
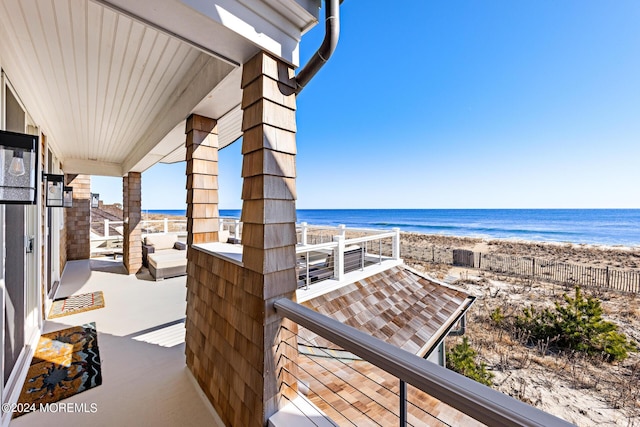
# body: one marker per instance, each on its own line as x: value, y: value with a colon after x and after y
x: 111, y: 88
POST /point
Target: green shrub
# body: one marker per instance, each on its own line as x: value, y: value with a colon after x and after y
x: 497, y: 316
x: 539, y: 325
x: 577, y: 325
x: 462, y: 359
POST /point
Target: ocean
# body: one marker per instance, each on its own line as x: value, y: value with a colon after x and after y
x: 593, y: 226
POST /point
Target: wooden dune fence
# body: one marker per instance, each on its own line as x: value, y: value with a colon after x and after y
x: 559, y: 272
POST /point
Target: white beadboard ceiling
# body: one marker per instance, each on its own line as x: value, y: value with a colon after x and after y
x: 111, y: 89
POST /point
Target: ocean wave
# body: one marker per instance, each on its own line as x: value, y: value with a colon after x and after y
x: 481, y: 230
x: 592, y: 226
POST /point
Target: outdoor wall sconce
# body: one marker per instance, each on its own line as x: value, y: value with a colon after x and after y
x: 67, y: 196
x: 95, y: 200
x: 18, y: 154
x: 54, y: 190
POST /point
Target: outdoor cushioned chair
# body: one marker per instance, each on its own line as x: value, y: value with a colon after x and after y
x: 164, y: 255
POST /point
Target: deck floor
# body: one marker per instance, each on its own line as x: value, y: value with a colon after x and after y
x: 141, y: 338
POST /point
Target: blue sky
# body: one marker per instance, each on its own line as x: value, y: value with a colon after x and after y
x: 459, y: 104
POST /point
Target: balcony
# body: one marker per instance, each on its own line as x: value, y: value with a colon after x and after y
x: 329, y: 257
x: 326, y: 257
x: 365, y: 381
x: 142, y: 347
x: 141, y: 338
x: 106, y: 235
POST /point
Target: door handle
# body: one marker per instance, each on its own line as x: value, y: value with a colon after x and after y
x: 29, y: 245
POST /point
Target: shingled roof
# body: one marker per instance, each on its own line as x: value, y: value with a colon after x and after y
x: 398, y: 306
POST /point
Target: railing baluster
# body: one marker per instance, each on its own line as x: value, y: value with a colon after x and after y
x: 339, y: 258
x: 308, y: 278
x: 403, y: 404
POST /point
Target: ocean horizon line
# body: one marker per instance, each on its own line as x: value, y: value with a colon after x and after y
x: 609, y: 227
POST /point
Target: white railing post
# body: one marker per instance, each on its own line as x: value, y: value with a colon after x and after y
x: 338, y: 264
x: 307, y: 279
x: 106, y: 228
x: 166, y: 225
x: 220, y: 224
x: 396, y: 244
x: 236, y: 228
x: 343, y: 230
x: 303, y: 227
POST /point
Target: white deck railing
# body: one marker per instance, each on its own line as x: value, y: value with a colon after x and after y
x: 165, y: 225
x: 333, y: 258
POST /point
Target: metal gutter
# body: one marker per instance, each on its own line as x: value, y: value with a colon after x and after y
x: 328, y: 46
x: 445, y: 329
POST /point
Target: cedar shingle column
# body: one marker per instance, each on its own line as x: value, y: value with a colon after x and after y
x: 78, y: 244
x: 268, y: 216
x: 202, y: 180
x: 132, y: 235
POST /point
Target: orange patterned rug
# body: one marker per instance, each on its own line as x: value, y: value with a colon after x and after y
x: 65, y: 363
x: 76, y: 304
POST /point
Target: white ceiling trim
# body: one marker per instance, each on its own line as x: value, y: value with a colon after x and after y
x: 229, y: 131
x: 108, y: 81
x: 204, y: 75
x: 230, y: 28
x: 103, y: 87
x: 142, y: 20
x: 92, y: 167
x: 177, y: 156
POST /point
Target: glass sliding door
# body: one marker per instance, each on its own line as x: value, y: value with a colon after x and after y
x: 21, y: 313
x: 14, y: 268
x: 14, y: 301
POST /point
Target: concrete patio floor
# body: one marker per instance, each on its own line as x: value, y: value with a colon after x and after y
x: 141, y: 339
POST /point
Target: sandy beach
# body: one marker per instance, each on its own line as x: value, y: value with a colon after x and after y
x: 415, y: 244
x: 584, y: 390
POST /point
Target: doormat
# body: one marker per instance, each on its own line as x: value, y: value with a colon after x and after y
x: 65, y: 363
x: 76, y: 304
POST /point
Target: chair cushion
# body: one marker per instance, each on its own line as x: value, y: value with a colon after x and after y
x: 161, y: 241
x: 168, y: 259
